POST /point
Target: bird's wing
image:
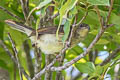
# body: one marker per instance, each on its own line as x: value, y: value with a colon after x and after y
x: 20, y: 27
x: 48, y: 30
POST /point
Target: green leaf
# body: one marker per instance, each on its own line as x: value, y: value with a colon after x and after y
x: 116, y: 6
x: 114, y: 19
x: 11, y: 6
x: 4, y: 16
x: 74, y: 52
x: 64, y: 10
x: 103, y: 41
x: 94, y: 32
x: 45, y: 2
x: 37, y: 23
x: 42, y: 4
x: 98, y: 70
x: 88, y: 39
x: 99, y: 2
x: 91, y: 19
x: 22, y: 58
x: 66, y: 30
x: 74, y: 11
x: 87, y: 67
x: 68, y: 23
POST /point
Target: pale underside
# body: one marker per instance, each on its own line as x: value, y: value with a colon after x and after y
x: 49, y: 44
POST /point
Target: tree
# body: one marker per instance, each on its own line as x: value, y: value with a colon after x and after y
x: 97, y: 55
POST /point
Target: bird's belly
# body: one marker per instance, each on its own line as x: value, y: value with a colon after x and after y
x: 49, y: 44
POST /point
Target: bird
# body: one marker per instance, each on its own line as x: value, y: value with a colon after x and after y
x: 46, y: 40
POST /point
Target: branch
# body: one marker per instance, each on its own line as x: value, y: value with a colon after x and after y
x: 53, y: 16
x: 30, y: 13
x: 85, y: 15
x: 110, y: 10
x: 14, y: 60
x: 25, y: 7
x: 16, y: 55
x: 37, y: 52
x: 100, y: 18
x: 11, y: 14
x: 59, y: 73
x: 109, y: 67
x: 38, y: 59
x: 48, y: 73
x: 111, y: 56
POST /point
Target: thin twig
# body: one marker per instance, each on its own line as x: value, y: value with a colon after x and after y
x: 13, y: 59
x: 108, y: 68
x: 59, y: 73
x: 30, y: 13
x: 111, y: 56
x: 25, y: 7
x: 41, y: 5
x: 37, y: 52
x: 48, y: 73
x: 38, y: 60
x: 53, y: 16
x: 62, y: 51
x: 85, y: 15
x: 110, y: 10
x: 10, y: 13
x: 16, y: 55
x: 100, y: 18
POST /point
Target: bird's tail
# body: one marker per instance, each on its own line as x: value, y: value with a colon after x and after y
x: 20, y: 27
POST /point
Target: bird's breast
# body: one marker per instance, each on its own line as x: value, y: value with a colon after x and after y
x: 49, y: 44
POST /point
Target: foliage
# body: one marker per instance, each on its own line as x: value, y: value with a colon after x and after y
x: 70, y: 11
